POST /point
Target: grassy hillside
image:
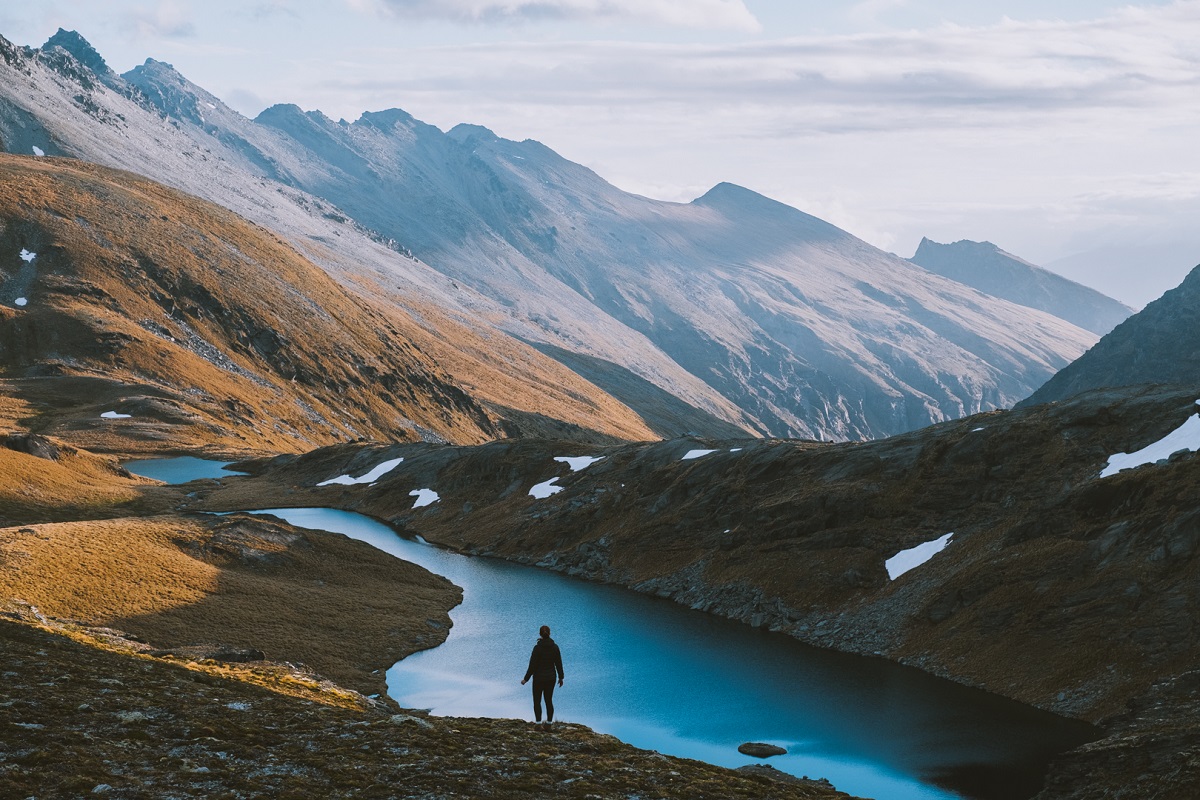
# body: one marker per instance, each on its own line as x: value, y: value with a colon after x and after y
x: 120, y: 295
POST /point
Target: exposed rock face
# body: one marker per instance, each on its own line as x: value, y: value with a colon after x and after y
x: 1159, y: 344
x: 31, y: 443
x: 989, y: 269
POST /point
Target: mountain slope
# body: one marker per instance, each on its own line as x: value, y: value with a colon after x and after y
x: 50, y: 101
x: 749, y: 311
x: 989, y: 269
x: 809, y: 330
x: 120, y: 295
x: 1159, y: 344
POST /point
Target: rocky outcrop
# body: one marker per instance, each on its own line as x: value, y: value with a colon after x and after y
x: 32, y: 444
x: 1159, y: 344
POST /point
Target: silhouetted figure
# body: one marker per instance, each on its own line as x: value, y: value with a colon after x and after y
x: 545, y: 664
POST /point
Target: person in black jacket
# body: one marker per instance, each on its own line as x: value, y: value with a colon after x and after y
x: 545, y: 664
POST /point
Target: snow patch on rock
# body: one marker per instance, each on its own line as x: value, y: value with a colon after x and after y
x: 27, y: 255
x: 690, y: 454
x: 1185, y: 437
x: 425, y: 497
x: 914, y: 557
x: 577, y: 463
x: 21, y: 301
x: 114, y: 415
x: 39, y: 152
x: 544, y: 489
x: 370, y: 477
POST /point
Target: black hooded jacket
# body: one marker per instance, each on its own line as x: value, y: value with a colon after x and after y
x: 545, y: 661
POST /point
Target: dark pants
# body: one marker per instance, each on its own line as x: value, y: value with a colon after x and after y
x: 543, y: 687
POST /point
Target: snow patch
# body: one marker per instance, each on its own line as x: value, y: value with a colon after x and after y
x: 690, y: 454
x: 577, y: 463
x: 39, y: 152
x: 370, y: 477
x: 544, y: 489
x: 27, y: 255
x: 914, y: 557
x: 425, y: 497
x: 210, y: 105
x: 114, y: 415
x: 735, y: 449
x: 976, y: 430
x: 1185, y: 437
x: 21, y: 301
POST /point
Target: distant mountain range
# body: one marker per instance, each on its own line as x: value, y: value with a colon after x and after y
x: 730, y: 313
x: 989, y: 269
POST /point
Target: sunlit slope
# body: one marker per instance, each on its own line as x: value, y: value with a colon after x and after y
x: 172, y: 131
x: 120, y: 295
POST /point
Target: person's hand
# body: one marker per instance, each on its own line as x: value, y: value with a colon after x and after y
x: 560, y: 681
x: 523, y: 681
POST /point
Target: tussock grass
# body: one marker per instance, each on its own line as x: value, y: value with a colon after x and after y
x: 78, y: 484
x: 338, y: 606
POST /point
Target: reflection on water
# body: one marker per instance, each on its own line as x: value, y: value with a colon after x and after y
x: 686, y: 683
x: 180, y: 470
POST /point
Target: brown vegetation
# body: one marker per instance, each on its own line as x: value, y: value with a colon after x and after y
x: 212, y: 334
x: 343, y: 608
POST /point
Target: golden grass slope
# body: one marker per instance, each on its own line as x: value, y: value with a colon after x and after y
x: 339, y: 606
x: 211, y: 333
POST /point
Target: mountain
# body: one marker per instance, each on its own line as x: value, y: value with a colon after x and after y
x: 809, y: 330
x: 752, y: 314
x: 191, y: 328
x: 989, y: 269
x: 1156, y: 345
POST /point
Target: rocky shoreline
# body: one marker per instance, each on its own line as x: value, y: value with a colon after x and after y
x: 89, y: 713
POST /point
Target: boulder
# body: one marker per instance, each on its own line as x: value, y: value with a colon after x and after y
x: 32, y: 444
x: 761, y: 749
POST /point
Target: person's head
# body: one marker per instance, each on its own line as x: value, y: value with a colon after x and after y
x: 544, y: 631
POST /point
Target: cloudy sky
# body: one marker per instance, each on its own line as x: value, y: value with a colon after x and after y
x: 1062, y: 130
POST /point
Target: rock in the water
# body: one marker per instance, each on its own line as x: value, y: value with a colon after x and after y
x: 761, y: 749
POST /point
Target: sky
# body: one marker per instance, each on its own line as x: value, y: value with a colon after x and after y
x: 1061, y: 130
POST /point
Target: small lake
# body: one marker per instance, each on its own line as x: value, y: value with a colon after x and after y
x: 666, y: 678
x: 181, y: 469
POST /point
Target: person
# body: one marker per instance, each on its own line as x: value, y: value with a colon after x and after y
x: 545, y: 664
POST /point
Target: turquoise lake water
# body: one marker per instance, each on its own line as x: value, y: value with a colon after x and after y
x: 666, y: 678
x: 663, y: 677
x: 180, y: 470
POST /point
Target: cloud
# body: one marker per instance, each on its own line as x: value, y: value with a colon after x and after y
x: 168, y: 19
x: 715, y: 14
x: 1041, y: 136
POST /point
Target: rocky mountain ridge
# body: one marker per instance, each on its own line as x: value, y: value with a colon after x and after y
x: 755, y: 314
x: 989, y: 269
x: 1156, y: 345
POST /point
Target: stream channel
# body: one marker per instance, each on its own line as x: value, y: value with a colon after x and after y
x: 663, y: 677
